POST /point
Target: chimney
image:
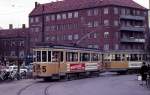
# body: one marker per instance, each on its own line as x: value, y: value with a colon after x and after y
x: 23, y: 26
x: 36, y: 4
x: 10, y: 26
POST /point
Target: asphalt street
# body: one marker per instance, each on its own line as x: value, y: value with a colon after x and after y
x: 106, y: 84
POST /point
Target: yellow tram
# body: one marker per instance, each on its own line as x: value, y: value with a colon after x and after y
x: 123, y: 61
x: 63, y: 61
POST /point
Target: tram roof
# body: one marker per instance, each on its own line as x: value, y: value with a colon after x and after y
x: 67, y: 47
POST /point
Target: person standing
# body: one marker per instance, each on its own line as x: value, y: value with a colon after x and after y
x: 143, y: 72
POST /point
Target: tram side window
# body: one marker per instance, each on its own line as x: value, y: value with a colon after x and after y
x: 44, y: 56
x: 57, y: 56
x: 38, y: 56
x: 94, y: 57
x: 84, y: 56
x: 34, y: 56
x: 134, y: 57
x: 117, y: 57
x: 49, y: 56
x: 71, y: 56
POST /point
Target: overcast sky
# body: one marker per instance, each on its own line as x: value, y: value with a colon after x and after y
x: 16, y: 11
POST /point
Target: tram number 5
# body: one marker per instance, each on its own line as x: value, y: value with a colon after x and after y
x: 44, y: 69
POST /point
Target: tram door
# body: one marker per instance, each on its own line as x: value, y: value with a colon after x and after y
x: 57, y: 58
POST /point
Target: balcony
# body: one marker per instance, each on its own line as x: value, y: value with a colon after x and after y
x: 131, y: 17
x: 131, y: 28
x: 133, y: 40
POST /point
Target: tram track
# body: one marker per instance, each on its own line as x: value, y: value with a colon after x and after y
x: 44, y: 92
x: 24, y: 88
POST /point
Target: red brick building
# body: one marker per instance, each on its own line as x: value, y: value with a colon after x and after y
x: 14, y: 44
x: 104, y: 24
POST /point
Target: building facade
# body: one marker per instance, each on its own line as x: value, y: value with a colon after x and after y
x: 14, y: 44
x: 104, y: 24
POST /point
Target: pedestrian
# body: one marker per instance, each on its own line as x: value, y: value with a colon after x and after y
x: 143, y: 72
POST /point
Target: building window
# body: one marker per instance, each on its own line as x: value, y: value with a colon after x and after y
x: 47, y: 38
x: 96, y: 46
x: 90, y: 24
x: 106, y: 10
x: 106, y: 47
x: 64, y: 16
x: 115, y: 10
x: 37, y: 29
x: 106, y: 34
x: 116, y: 23
x: 31, y: 20
x: 137, y: 12
x: 47, y: 28
x: 21, y: 43
x: 90, y: 46
x: 69, y: 37
x: 76, y: 14
x: 36, y: 19
x: 106, y: 22
x: 95, y: 23
x: 13, y: 53
x: 95, y: 35
x: 89, y: 12
x: 123, y: 12
x: 21, y: 54
x: 76, y: 37
x: 47, y: 18
x: 53, y: 27
x: 116, y: 47
x: 69, y: 15
x: 128, y: 11
x: 58, y: 16
x: 52, y: 17
x: 53, y: 38
x: 95, y: 12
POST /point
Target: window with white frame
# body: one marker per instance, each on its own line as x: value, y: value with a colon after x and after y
x: 95, y: 23
x: 52, y: 17
x: 21, y: 43
x: 37, y: 29
x: 95, y: 11
x: 106, y: 34
x: 58, y: 16
x: 69, y: 15
x: 47, y: 18
x: 64, y: 16
x: 76, y: 37
x: 76, y: 14
x: 53, y: 38
x: 116, y: 10
x: 37, y: 19
x: 106, y: 22
x: 13, y: 53
x: 123, y: 11
x: 96, y: 46
x: 90, y: 46
x: 69, y: 37
x: 31, y: 20
x: 116, y: 47
x: 90, y: 24
x: 21, y: 54
x: 95, y: 35
x: 89, y: 12
x: 106, y: 46
x: 106, y: 10
x: 47, y: 28
x: 116, y: 23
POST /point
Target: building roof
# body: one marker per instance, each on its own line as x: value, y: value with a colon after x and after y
x: 21, y: 32
x: 67, y: 5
